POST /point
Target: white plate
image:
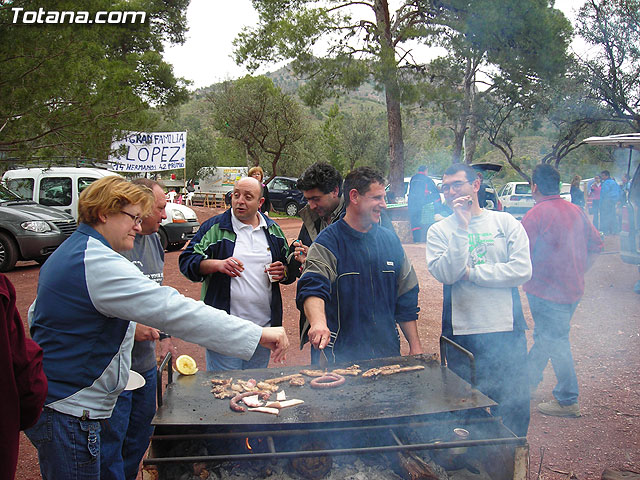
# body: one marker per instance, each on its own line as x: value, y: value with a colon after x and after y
x: 135, y: 381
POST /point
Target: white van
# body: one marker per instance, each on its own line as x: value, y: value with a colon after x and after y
x: 60, y: 187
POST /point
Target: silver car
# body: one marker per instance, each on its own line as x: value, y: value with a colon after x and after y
x: 29, y: 231
x: 516, y: 198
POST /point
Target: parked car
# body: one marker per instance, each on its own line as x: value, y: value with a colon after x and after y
x: 404, y: 199
x: 29, y: 231
x: 285, y: 196
x: 630, y: 209
x: 489, y: 170
x: 60, y: 188
x: 516, y: 198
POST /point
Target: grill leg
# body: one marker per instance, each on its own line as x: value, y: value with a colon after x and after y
x: 166, y: 362
x: 521, y: 463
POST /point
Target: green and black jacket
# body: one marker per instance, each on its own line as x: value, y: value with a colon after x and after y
x: 216, y: 240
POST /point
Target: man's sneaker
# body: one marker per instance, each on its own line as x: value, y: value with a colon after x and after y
x: 555, y: 409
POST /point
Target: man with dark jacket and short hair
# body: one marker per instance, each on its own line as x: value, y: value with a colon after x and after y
x: 321, y: 185
x: 358, y: 285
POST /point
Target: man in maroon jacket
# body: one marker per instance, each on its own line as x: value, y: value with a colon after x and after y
x: 24, y: 385
x: 563, y: 244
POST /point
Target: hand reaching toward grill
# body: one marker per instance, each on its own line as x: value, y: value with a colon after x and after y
x: 165, y: 346
x: 319, y: 333
x: 275, y: 339
x: 144, y: 333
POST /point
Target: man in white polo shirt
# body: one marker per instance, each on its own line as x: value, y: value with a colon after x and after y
x: 240, y: 256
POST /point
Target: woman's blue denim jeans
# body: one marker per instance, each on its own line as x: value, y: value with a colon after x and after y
x: 125, y: 436
x: 68, y: 447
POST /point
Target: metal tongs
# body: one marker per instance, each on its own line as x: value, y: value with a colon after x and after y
x: 322, y: 360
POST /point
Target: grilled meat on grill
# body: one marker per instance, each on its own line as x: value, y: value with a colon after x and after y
x: 284, y: 378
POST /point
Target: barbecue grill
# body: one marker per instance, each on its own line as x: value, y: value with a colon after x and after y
x: 404, y: 412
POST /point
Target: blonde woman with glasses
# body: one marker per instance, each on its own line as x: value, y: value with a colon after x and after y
x: 84, y: 317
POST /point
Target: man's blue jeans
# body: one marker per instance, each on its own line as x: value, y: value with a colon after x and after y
x: 125, y: 436
x: 217, y: 361
x: 68, y: 447
x: 551, y: 342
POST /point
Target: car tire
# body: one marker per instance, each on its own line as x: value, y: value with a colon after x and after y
x: 291, y: 209
x: 164, y: 240
x: 8, y: 253
x: 175, y: 246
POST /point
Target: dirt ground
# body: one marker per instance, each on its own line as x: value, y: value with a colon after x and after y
x: 606, y: 347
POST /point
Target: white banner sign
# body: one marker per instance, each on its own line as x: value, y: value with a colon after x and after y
x: 149, y: 152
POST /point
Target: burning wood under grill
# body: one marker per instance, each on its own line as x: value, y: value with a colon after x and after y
x: 417, y: 469
x: 406, y: 441
x: 312, y: 467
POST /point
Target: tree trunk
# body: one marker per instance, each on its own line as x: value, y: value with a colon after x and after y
x: 471, y: 141
x: 458, y: 139
x: 396, y: 144
x: 462, y: 127
x: 392, y: 95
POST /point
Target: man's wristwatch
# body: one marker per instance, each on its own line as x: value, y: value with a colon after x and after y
x: 164, y: 335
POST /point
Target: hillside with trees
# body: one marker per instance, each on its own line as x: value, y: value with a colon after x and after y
x: 351, y: 130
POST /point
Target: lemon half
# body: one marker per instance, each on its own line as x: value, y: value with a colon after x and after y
x: 186, y: 365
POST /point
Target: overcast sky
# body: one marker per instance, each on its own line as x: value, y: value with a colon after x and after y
x: 205, y: 58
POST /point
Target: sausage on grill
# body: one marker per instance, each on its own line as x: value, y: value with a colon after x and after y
x: 236, y: 407
x: 329, y: 380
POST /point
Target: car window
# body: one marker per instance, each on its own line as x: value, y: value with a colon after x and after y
x: 55, y: 191
x: 7, y: 195
x: 84, y: 182
x: 21, y: 186
x: 523, y: 189
x: 504, y: 191
x: 280, y: 184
